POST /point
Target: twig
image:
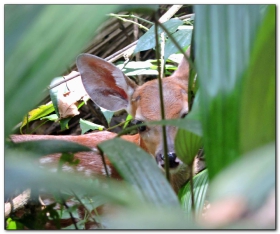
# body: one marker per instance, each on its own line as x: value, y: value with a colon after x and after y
x: 70, y: 213
x: 65, y: 80
x: 192, y: 189
x: 17, y: 203
x: 128, y: 50
x: 176, y: 44
x: 134, y: 16
x: 162, y: 45
x: 130, y: 21
x: 186, y: 16
x: 103, y: 161
x: 172, y: 10
x: 166, y: 161
x: 89, y: 212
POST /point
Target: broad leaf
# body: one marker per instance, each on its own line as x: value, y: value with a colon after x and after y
x: 140, y: 169
x: 200, y: 182
x: 64, y: 123
x: 52, y: 117
x: 151, y: 218
x: 37, y: 113
x: 56, y: 92
x: 221, y: 64
x: 189, y: 124
x: 44, y: 147
x: 20, y: 163
x: 147, y: 41
x: 107, y: 114
x: 187, y: 145
x: 87, y: 125
x: 183, y: 37
x: 258, y: 106
x: 40, y: 43
x: 251, y: 177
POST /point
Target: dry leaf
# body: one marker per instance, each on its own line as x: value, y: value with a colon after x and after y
x: 68, y: 102
x: 67, y: 106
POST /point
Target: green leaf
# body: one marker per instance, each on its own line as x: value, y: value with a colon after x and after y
x: 56, y: 92
x: 183, y: 37
x: 127, y: 120
x: 14, y: 225
x: 251, y: 177
x: 87, y: 125
x: 221, y: 63
x: 258, y: 106
x: 147, y: 41
x: 188, y: 139
x: 37, y: 113
x: 52, y: 117
x: 133, y: 65
x: 138, y: 68
x: 140, y: 169
x: 107, y: 114
x: 40, y: 43
x: 200, y: 182
x: 150, y: 218
x: 195, y: 113
x: 68, y: 158
x: 64, y: 123
x: 187, y: 145
x: 44, y: 147
x: 189, y: 124
x: 19, y: 163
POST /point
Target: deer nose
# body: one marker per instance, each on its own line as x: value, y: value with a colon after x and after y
x: 171, y: 158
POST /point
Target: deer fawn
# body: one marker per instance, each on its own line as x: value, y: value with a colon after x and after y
x: 111, y: 89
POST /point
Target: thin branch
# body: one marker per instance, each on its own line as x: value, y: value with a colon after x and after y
x: 89, y: 212
x: 166, y: 161
x: 18, y: 202
x: 133, y: 16
x: 176, y: 44
x: 192, y: 189
x: 162, y: 45
x: 117, y: 125
x: 130, y: 21
x: 65, y: 80
x: 128, y: 50
x: 186, y: 16
x: 172, y: 10
x: 70, y: 213
x: 103, y: 161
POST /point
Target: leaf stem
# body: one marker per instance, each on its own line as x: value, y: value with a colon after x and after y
x: 103, y: 161
x: 130, y: 21
x: 192, y: 189
x: 132, y: 16
x: 70, y: 213
x: 165, y: 149
x: 117, y: 125
x: 176, y: 44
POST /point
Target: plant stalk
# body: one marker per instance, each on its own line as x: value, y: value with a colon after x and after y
x: 192, y: 189
x: 130, y: 21
x: 165, y: 148
x: 131, y: 16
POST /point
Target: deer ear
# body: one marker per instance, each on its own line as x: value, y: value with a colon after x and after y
x: 106, y: 85
x: 182, y: 73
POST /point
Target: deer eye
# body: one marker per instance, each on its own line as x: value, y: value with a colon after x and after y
x: 141, y: 128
